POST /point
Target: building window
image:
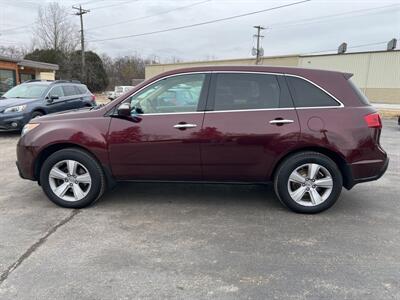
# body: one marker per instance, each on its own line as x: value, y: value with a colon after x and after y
x: 7, y: 80
x: 24, y: 77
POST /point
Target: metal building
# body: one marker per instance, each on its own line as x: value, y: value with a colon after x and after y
x: 377, y: 73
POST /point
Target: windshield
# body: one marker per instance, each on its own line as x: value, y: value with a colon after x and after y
x: 26, y: 91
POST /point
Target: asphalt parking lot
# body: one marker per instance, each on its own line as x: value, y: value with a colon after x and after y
x: 185, y: 241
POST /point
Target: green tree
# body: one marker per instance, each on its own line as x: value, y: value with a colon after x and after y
x: 53, y: 57
x: 70, y: 66
x: 96, y: 76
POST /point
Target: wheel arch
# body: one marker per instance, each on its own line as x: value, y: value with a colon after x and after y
x: 337, y: 158
x: 41, y: 110
x: 50, y: 149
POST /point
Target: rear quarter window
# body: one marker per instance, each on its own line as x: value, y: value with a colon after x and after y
x: 306, y: 94
x: 82, y: 89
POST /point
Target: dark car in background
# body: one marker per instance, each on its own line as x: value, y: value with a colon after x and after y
x: 36, y: 98
x: 310, y: 132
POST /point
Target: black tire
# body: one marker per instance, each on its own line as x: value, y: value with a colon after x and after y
x: 36, y: 114
x: 98, y: 182
x: 297, y: 160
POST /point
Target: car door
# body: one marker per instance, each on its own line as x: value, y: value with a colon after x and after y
x: 55, y: 99
x: 72, y: 97
x: 162, y: 142
x: 250, y: 122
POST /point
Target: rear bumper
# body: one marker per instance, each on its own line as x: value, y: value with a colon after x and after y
x: 365, y: 171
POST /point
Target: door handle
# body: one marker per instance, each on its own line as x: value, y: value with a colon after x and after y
x: 280, y: 121
x: 184, y: 126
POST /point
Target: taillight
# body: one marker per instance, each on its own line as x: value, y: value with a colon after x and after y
x: 93, y: 98
x: 373, y: 120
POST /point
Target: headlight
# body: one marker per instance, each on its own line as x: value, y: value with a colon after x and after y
x: 12, y: 109
x: 28, y: 127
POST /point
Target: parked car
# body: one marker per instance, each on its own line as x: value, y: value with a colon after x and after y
x: 36, y: 98
x: 310, y: 132
x: 118, y: 91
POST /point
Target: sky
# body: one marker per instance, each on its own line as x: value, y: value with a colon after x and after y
x: 309, y: 27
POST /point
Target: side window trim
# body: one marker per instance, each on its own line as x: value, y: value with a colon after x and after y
x: 205, y: 92
x: 293, y: 93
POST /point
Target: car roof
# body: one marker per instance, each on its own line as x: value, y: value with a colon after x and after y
x: 51, y: 82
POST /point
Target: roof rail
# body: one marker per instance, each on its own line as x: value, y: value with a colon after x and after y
x: 36, y: 80
x: 67, y: 81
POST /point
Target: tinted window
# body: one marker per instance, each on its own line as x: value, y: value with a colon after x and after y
x: 69, y: 90
x: 246, y: 91
x: 308, y: 95
x: 83, y: 89
x: 174, y: 94
x: 56, y: 91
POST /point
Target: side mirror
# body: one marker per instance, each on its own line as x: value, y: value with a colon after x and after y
x: 52, y: 98
x: 124, y: 110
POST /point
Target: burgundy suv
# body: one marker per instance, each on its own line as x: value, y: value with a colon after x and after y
x: 309, y: 131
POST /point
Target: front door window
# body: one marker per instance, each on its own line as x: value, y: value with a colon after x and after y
x: 170, y: 95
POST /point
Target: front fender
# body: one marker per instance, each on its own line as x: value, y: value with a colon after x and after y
x: 49, y: 136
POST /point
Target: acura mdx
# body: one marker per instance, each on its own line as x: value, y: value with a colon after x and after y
x: 310, y: 132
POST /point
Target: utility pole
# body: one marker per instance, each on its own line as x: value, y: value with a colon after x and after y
x: 258, y: 51
x: 80, y: 13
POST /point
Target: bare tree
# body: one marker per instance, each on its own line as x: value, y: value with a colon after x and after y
x: 54, y: 30
x: 13, y: 51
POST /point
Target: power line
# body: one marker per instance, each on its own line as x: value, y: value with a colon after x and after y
x: 203, y: 23
x: 149, y: 16
x: 87, y: 2
x: 345, y: 14
x: 112, y: 5
x: 19, y: 27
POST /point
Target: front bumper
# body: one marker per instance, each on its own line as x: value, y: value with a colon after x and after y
x: 13, y: 121
x: 26, y: 156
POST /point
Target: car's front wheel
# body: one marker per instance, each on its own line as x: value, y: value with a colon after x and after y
x: 72, y: 178
x: 308, y: 182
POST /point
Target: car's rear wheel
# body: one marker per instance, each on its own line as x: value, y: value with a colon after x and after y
x: 72, y: 178
x: 308, y: 182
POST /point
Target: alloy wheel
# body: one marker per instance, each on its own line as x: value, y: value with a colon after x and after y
x: 310, y: 184
x: 70, y: 180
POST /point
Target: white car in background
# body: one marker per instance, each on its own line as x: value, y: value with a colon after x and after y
x: 118, y: 91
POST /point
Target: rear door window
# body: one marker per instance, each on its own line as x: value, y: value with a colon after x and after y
x: 306, y: 94
x: 56, y: 91
x: 69, y: 90
x: 244, y: 91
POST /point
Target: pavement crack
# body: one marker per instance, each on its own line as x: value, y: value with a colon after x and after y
x: 4, y: 275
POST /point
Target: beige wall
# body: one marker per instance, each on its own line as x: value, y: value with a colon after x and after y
x: 376, y: 73
x: 391, y: 96
x: 371, y: 70
x: 46, y: 75
x: 153, y: 70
